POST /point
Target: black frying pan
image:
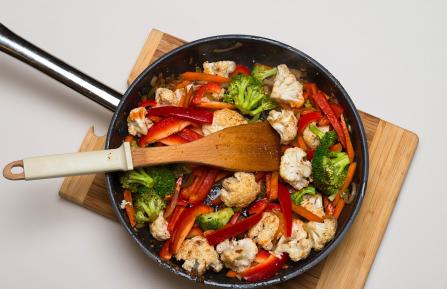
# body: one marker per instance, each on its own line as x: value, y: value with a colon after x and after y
x: 243, y: 49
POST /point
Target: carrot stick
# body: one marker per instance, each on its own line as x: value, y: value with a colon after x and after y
x: 165, y: 252
x: 336, y: 147
x: 349, y: 177
x: 195, y: 231
x: 268, y: 182
x: 349, y: 148
x: 129, y: 138
x: 182, y: 84
x: 215, y: 105
x: 339, y: 208
x: 173, y: 203
x: 301, y: 144
x: 231, y: 274
x: 303, y: 212
x: 192, y: 76
x: 274, y: 186
x: 337, y: 198
x: 129, y: 208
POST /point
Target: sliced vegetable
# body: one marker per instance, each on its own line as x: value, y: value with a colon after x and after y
x: 240, y: 69
x: 215, y: 220
x: 235, y: 218
x: 173, y: 203
x: 185, y: 224
x: 273, y: 194
x: 215, y: 105
x: 337, y: 108
x: 129, y: 208
x: 301, y: 143
x: 147, y: 102
x: 310, y: 89
x: 336, y: 148
x: 195, y: 231
x: 163, y: 129
x: 175, y: 217
x: 182, y: 84
x: 165, y: 252
x: 303, y: 212
x: 258, y: 206
x: 349, y: 147
x: 306, y: 119
x: 310, y: 154
x: 229, y: 231
x: 192, y: 114
x: 189, y: 135
x: 286, y: 208
x: 349, y: 176
x: 266, y: 269
x: 297, y: 197
x: 339, y: 208
x: 172, y: 140
x: 201, y: 92
x: 262, y: 256
x: 199, y: 76
x: 323, y: 104
x: 202, y: 191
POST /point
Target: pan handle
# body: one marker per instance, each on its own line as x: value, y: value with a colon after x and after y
x: 21, y: 49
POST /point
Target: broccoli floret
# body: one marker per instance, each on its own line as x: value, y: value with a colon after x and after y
x: 147, y: 207
x: 261, y: 72
x: 326, y: 139
x: 297, y: 197
x: 137, y: 180
x: 215, y: 220
x: 164, y: 180
x: 329, y: 168
x: 247, y: 94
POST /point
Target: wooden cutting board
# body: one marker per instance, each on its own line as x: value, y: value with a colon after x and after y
x: 391, y: 150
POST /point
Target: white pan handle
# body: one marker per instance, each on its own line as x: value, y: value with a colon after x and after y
x: 53, y: 166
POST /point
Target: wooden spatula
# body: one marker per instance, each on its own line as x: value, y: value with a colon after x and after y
x: 250, y: 147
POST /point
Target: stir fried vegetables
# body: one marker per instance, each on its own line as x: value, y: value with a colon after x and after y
x: 208, y: 218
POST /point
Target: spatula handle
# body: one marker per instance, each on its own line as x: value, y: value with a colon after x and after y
x: 53, y: 166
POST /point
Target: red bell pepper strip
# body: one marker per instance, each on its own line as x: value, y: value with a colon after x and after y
x: 262, y: 256
x: 172, y: 140
x: 323, y: 104
x: 337, y: 108
x: 240, y: 69
x: 185, y: 224
x: 147, y: 102
x: 310, y: 89
x: 258, y: 207
x: 189, y: 134
x: 211, y: 87
x: 199, y: 76
x: 306, y: 119
x: 178, y: 211
x: 170, y: 208
x: 197, y: 115
x: 273, y: 207
x: 195, y: 231
x: 310, y: 154
x: 286, y: 208
x: 234, y: 218
x: 165, y: 252
x: 229, y: 231
x: 266, y: 269
x: 200, y: 194
x: 162, y: 129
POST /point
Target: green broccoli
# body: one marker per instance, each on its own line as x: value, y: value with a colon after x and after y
x: 247, y: 94
x: 329, y: 168
x: 164, y: 180
x: 261, y: 72
x: 297, y: 197
x: 215, y: 220
x: 147, y: 207
x: 329, y: 138
x: 137, y: 180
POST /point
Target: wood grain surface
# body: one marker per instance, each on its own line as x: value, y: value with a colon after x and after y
x: 391, y: 151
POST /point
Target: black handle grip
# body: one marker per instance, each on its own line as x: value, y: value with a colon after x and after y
x: 21, y: 49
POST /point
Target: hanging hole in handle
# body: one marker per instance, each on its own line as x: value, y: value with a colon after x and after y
x: 14, y: 171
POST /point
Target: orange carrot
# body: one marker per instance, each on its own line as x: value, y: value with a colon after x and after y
x: 336, y: 147
x: 165, y: 252
x: 339, y: 208
x: 129, y: 208
x: 323, y: 121
x: 195, y: 231
x: 231, y: 274
x: 337, y: 198
x: 303, y: 212
x: 301, y: 144
x: 268, y: 182
x: 129, y: 138
x: 328, y: 206
x: 349, y: 177
x: 215, y: 105
x: 274, y: 186
x: 182, y: 84
x: 349, y: 148
x: 193, y: 76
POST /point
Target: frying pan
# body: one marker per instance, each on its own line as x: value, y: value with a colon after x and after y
x: 242, y: 49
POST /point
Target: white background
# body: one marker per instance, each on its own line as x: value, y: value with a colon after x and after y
x: 389, y: 55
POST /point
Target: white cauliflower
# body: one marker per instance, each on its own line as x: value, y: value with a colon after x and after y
x: 223, y: 118
x: 285, y: 124
x: 237, y: 255
x: 221, y: 68
x: 313, y: 204
x: 294, y: 169
x: 321, y: 233
x: 198, y: 256
x: 311, y: 139
x: 239, y: 190
x: 159, y: 228
x: 264, y: 232
x: 298, y: 246
x: 137, y: 123
x: 287, y: 88
x: 165, y: 96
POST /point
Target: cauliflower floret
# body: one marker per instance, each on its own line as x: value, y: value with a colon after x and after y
x: 198, y: 256
x: 223, y: 118
x: 264, y: 231
x: 165, y: 96
x: 311, y: 139
x: 285, y: 123
x: 159, y: 228
x: 221, y: 68
x: 313, y: 204
x: 239, y: 190
x: 137, y: 123
x: 286, y: 88
x: 298, y: 246
x: 237, y: 255
x: 294, y: 169
x: 321, y: 233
